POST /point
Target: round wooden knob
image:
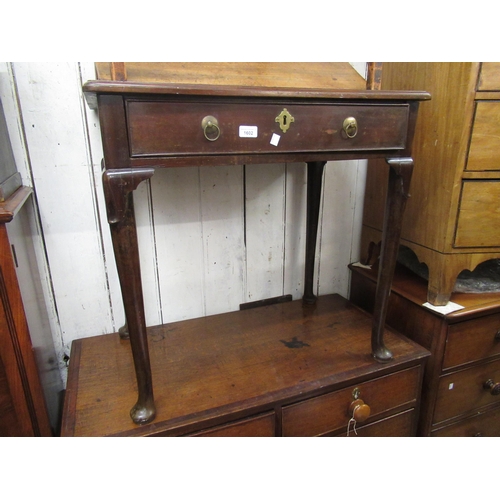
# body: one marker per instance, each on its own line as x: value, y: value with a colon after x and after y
x: 359, y: 410
x: 492, y: 387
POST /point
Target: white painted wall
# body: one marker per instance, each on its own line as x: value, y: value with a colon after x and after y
x: 195, y: 256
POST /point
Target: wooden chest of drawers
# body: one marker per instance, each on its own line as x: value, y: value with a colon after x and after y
x: 461, y: 394
x: 245, y: 374
x: 453, y: 213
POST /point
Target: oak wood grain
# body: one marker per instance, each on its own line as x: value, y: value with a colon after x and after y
x: 442, y: 163
x: 437, y: 165
x: 479, y: 215
x: 489, y: 76
x: 484, y: 151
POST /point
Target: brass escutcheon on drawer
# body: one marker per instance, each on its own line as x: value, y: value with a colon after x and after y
x: 285, y: 119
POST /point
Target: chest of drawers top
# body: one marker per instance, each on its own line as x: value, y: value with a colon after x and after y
x: 303, y: 360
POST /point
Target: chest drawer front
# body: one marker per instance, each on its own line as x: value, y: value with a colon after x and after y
x: 483, y: 425
x: 484, y: 150
x: 479, y: 214
x: 400, y: 425
x: 489, y: 78
x: 165, y: 129
x: 330, y: 412
x: 463, y: 391
x: 472, y: 340
x: 260, y: 426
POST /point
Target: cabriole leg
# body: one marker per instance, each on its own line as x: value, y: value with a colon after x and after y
x: 400, y: 172
x: 118, y: 191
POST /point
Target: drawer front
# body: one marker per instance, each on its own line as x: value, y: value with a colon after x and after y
x: 479, y: 214
x: 489, y: 78
x: 400, y: 425
x: 164, y: 128
x: 330, y: 412
x: 260, y: 426
x: 472, y: 340
x: 484, y: 425
x: 484, y: 150
x: 464, y: 391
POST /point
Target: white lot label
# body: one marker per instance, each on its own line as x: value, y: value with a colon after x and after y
x: 248, y: 131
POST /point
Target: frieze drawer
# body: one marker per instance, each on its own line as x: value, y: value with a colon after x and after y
x: 166, y: 128
x: 490, y: 76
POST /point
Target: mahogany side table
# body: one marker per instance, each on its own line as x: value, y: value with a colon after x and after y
x: 145, y: 126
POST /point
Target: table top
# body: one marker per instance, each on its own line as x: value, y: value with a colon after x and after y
x: 272, y: 80
x: 111, y: 87
x: 325, y: 75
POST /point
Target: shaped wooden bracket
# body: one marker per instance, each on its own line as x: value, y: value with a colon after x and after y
x: 117, y: 185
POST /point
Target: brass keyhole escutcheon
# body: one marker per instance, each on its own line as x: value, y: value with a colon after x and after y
x: 285, y: 119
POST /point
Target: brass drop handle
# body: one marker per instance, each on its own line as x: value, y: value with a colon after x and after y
x: 494, y: 389
x: 359, y: 411
x: 350, y: 127
x: 210, y: 127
